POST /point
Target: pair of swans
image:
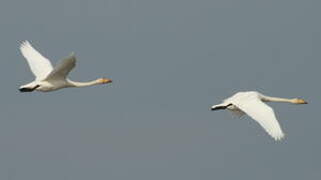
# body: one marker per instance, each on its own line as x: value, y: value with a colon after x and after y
x: 50, y: 79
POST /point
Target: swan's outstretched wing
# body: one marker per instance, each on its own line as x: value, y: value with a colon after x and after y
x: 261, y: 113
x: 63, y: 68
x: 39, y: 65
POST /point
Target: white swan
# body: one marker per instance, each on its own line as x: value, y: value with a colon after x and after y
x: 49, y: 78
x: 251, y: 103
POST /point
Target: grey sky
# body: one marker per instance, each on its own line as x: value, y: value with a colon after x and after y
x: 170, y: 61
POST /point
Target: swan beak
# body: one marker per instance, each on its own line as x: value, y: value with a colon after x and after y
x: 105, y: 80
x: 300, y: 101
x: 304, y: 102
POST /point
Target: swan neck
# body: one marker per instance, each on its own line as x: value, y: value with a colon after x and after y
x: 276, y: 99
x: 84, y: 84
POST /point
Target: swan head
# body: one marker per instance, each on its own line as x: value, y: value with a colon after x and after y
x: 104, y: 80
x: 299, y: 101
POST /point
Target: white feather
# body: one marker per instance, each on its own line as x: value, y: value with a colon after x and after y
x: 49, y: 79
x: 252, y: 104
x: 39, y: 65
x: 63, y: 68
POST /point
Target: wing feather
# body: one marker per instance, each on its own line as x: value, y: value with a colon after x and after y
x: 63, y: 68
x: 39, y: 65
x: 261, y: 113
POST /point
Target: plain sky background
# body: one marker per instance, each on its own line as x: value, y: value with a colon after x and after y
x: 170, y: 61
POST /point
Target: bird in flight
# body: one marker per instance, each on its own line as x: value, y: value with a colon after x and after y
x: 49, y: 78
x: 252, y: 104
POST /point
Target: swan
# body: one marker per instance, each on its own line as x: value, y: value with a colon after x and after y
x: 252, y: 104
x: 48, y: 78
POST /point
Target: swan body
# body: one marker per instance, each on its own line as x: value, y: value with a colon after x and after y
x: 49, y: 78
x: 252, y: 104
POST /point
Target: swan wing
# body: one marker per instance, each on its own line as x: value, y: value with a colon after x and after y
x: 39, y: 65
x: 261, y: 113
x: 63, y: 68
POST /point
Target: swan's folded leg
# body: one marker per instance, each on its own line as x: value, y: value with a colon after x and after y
x: 28, y: 89
x: 220, y: 107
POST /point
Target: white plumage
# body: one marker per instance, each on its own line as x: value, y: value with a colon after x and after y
x: 252, y: 104
x: 39, y: 65
x: 48, y: 78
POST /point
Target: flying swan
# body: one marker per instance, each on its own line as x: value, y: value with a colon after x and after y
x: 48, y: 78
x: 252, y: 104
